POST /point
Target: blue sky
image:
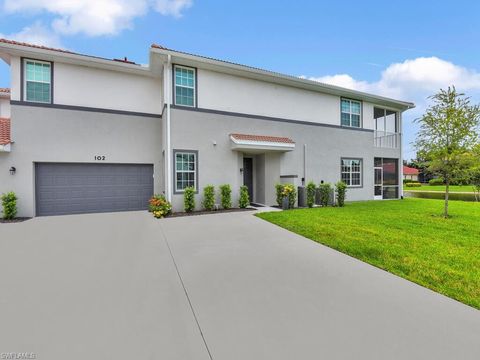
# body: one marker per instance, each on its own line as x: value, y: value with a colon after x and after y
x: 404, y: 49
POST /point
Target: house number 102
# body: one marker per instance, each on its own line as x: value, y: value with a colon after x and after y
x: 99, y: 157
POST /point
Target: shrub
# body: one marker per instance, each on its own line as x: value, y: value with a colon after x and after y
x: 226, y: 196
x: 9, y: 204
x: 290, y: 192
x: 244, y: 200
x: 159, y: 206
x: 325, y: 190
x: 413, y: 184
x: 209, y: 197
x: 341, y: 192
x: 189, y: 199
x: 311, y: 188
x: 437, y: 181
x: 406, y: 181
x: 279, y: 192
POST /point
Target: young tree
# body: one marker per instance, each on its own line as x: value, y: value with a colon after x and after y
x: 448, y: 131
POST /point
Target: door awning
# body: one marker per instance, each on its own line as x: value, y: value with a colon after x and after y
x: 261, y: 143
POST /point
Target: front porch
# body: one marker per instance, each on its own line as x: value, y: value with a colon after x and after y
x: 261, y: 156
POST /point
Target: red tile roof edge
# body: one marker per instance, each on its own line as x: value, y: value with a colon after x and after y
x: 266, y: 138
x: 5, y: 131
x: 410, y: 171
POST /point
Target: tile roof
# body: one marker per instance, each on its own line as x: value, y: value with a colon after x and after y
x: 263, y: 138
x: 13, y: 42
x: 409, y: 171
x: 18, y: 43
x: 4, y: 131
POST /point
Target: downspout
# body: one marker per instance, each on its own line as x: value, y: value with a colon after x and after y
x: 304, y: 182
x: 168, y: 137
x: 400, y: 172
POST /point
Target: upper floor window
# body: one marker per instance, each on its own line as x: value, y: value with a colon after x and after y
x: 351, y: 113
x: 38, y: 81
x: 185, y: 84
x: 352, y: 172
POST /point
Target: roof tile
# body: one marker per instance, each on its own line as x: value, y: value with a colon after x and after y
x: 410, y: 171
x: 261, y: 138
x: 5, y: 131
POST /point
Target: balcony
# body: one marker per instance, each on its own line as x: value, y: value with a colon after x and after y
x: 387, y: 140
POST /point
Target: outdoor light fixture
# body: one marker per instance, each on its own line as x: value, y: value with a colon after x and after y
x: 12, y: 170
x: 241, y: 170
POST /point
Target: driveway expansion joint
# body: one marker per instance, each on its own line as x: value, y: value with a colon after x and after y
x: 186, y: 295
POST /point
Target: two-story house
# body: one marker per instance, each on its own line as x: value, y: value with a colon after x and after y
x: 88, y: 134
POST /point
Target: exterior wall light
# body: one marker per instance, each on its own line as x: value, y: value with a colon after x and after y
x: 13, y: 170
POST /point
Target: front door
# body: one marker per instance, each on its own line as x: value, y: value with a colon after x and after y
x: 248, y: 176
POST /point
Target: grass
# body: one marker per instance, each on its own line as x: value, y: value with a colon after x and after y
x: 409, y: 238
x: 441, y: 188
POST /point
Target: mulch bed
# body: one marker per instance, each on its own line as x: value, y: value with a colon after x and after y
x: 16, y: 220
x: 204, y: 212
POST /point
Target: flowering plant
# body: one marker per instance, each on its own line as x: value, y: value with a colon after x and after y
x: 159, y: 206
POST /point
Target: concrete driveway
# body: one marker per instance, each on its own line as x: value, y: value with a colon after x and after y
x: 224, y: 286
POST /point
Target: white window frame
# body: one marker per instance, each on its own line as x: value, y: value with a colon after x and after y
x: 42, y: 82
x: 194, y: 87
x: 352, y: 172
x: 194, y: 171
x: 350, y: 113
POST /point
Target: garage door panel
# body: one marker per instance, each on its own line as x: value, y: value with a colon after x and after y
x: 88, y: 188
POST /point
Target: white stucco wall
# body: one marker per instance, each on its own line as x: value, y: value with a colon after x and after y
x: 98, y: 88
x: 15, y: 78
x: 4, y: 107
x: 85, y: 86
x: 225, y: 92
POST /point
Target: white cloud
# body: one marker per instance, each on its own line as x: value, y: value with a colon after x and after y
x: 413, y: 80
x: 172, y: 7
x: 95, y: 17
x: 36, y: 34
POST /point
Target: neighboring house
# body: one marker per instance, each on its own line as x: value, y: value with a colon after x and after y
x: 410, y: 173
x: 91, y: 135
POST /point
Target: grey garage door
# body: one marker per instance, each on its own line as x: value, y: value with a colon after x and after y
x: 91, y: 188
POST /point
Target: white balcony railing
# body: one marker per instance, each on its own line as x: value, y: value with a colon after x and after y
x: 384, y: 139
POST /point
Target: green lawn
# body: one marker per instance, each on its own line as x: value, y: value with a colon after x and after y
x: 440, y: 188
x: 408, y: 237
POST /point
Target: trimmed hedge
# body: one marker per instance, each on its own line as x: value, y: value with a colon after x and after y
x: 244, y: 200
x: 9, y: 204
x: 311, y: 189
x: 413, y: 184
x: 341, y: 192
x: 209, y: 197
x: 189, y: 199
x: 436, y: 182
x: 226, y: 196
x: 325, y: 190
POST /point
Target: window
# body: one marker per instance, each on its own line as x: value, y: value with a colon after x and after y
x: 351, y: 113
x: 185, y: 170
x: 185, y: 83
x: 38, y: 81
x: 352, y: 172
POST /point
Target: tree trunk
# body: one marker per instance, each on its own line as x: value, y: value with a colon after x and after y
x: 447, y: 189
